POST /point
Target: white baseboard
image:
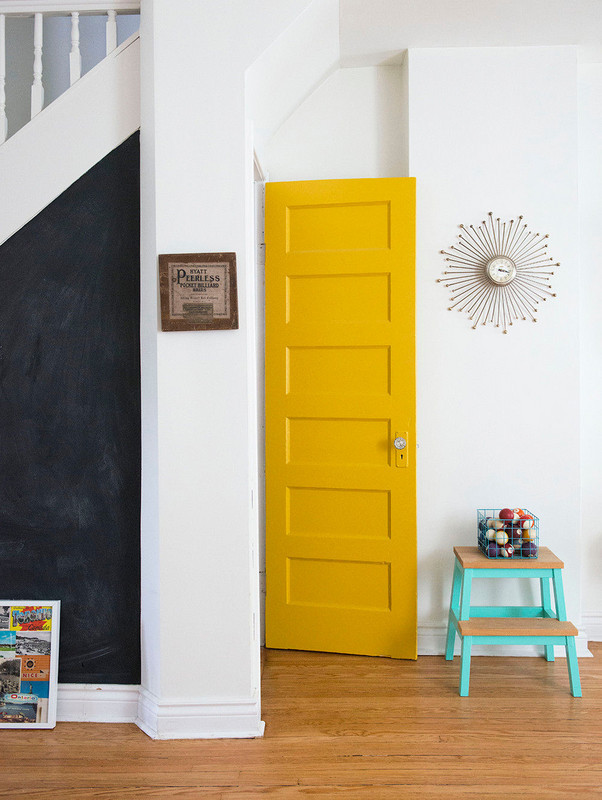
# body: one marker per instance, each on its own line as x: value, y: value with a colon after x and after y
x: 86, y: 702
x: 431, y: 642
x: 593, y: 625
x: 177, y: 719
x: 199, y: 718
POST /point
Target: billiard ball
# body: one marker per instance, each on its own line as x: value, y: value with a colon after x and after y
x: 496, y: 524
x: 529, y: 534
x: 527, y: 521
x: 492, y: 550
x: 490, y: 534
x: 507, y: 550
x: 506, y: 513
x: 518, y: 513
x: 501, y: 537
x: 529, y: 550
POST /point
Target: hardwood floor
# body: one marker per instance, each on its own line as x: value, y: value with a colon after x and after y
x: 348, y: 727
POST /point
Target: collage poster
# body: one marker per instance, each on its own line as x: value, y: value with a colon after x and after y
x: 28, y: 663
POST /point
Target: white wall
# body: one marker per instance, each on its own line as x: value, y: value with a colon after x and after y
x: 352, y: 126
x: 291, y: 68
x: 374, y: 32
x: 590, y: 210
x: 495, y: 129
x: 200, y: 598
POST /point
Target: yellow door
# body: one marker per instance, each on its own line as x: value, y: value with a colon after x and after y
x: 340, y: 387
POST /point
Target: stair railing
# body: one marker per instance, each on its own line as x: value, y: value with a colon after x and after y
x: 38, y: 9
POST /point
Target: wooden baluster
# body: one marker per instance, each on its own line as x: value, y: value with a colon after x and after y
x: 111, y: 31
x: 37, y: 89
x: 75, y: 57
x: 3, y: 120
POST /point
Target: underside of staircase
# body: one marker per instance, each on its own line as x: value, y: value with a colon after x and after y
x: 70, y: 136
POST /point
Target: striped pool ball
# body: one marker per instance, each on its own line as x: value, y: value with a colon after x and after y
x: 527, y: 521
x: 529, y: 534
x: 496, y: 524
x: 507, y: 550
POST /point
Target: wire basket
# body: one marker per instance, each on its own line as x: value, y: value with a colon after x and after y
x: 505, y: 537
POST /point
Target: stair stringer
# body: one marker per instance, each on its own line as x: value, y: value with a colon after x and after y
x: 70, y: 136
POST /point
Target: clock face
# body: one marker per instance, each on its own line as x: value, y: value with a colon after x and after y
x: 501, y: 270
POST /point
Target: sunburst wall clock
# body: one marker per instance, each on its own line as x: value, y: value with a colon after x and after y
x: 498, y: 272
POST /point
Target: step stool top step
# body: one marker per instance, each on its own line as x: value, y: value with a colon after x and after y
x: 516, y: 626
x: 473, y: 558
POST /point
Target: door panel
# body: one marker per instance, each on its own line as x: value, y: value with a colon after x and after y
x: 340, y: 385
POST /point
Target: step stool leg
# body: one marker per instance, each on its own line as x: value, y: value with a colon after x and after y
x: 466, y: 589
x: 559, y: 594
x: 454, y: 605
x: 571, y: 660
x: 465, y: 666
x: 546, y: 604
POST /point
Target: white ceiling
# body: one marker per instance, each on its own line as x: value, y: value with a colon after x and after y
x: 375, y: 31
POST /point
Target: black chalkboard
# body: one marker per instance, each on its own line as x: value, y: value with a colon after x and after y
x: 70, y: 418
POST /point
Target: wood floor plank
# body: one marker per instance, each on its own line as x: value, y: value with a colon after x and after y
x: 348, y: 727
x: 400, y: 792
x: 121, y: 793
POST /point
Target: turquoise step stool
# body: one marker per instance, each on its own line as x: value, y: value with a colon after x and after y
x: 538, y: 625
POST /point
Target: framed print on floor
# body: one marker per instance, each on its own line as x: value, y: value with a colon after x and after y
x: 29, y: 663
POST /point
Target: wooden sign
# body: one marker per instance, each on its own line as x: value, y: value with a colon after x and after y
x: 198, y: 291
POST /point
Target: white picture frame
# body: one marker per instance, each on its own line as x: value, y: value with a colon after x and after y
x: 29, y: 663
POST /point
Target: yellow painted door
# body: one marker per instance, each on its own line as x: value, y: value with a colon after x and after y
x: 340, y: 387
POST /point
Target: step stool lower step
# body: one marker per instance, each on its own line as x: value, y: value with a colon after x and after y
x: 519, y: 630
x: 508, y: 626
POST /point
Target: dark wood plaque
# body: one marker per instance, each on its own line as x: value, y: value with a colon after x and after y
x: 198, y: 292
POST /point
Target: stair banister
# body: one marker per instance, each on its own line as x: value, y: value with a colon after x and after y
x: 27, y: 8
x: 73, y: 9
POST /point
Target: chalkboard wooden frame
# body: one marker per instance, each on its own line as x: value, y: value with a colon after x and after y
x: 28, y: 684
x: 184, y: 282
